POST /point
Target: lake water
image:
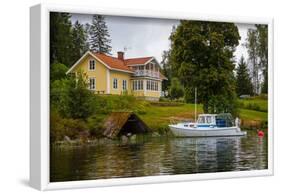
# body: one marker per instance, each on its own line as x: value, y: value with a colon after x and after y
x: 149, y: 156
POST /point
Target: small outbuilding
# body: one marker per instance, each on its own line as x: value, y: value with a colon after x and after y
x: 124, y: 123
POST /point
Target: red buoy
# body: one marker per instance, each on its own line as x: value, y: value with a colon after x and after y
x: 260, y: 133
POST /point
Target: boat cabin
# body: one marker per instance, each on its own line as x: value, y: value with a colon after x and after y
x: 212, y: 120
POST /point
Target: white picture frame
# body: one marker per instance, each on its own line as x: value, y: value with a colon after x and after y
x: 39, y: 102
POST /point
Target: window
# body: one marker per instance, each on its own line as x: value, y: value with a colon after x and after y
x: 137, y: 84
x: 115, y: 83
x: 209, y: 119
x: 134, y: 85
x: 152, y: 85
x: 148, y: 84
x: 92, y: 83
x: 140, y: 85
x: 92, y: 65
x: 124, y: 84
x: 201, y: 119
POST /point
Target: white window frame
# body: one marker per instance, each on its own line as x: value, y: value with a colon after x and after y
x: 92, y: 78
x: 135, y: 84
x: 113, y: 83
x: 90, y: 65
x: 124, y: 83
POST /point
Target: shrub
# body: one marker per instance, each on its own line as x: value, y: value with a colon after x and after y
x: 58, y: 71
x: 75, y: 127
x: 95, y: 125
x: 176, y: 90
x: 61, y: 127
x: 57, y: 130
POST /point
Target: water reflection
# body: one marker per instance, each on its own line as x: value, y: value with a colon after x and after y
x: 157, y: 156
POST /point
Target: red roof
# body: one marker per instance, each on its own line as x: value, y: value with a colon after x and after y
x: 116, y: 63
x: 135, y: 61
x: 112, y: 62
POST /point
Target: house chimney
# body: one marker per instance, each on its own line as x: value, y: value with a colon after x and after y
x: 120, y: 55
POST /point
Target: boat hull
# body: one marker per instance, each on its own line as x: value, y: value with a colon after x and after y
x: 206, y: 132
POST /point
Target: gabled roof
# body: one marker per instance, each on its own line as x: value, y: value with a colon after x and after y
x: 112, y: 62
x: 137, y: 61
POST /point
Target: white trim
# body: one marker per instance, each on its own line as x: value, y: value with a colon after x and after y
x: 77, y: 62
x: 113, y: 83
x: 136, y: 65
x: 107, y: 81
x: 149, y: 61
x: 125, y: 71
x: 144, y: 86
x: 145, y: 77
x: 126, y: 81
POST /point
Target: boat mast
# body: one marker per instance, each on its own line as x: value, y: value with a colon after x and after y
x: 195, y: 104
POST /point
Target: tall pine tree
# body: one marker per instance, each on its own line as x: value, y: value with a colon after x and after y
x: 61, y: 38
x: 202, y: 56
x: 263, y: 54
x: 243, y: 80
x: 79, y: 40
x: 166, y: 70
x: 252, y: 49
x: 98, y: 35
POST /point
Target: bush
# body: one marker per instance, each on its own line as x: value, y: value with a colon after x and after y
x: 61, y: 127
x: 95, y: 125
x: 58, y: 71
x: 176, y: 90
x: 164, y: 99
x: 71, y: 97
x: 57, y: 130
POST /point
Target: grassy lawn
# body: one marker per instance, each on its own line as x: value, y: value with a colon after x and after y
x: 254, y: 103
x: 253, y: 115
x: 158, y: 117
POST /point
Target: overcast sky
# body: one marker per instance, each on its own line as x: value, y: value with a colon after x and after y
x: 146, y: 36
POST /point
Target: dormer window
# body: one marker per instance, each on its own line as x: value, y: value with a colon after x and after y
x: 92, y: 65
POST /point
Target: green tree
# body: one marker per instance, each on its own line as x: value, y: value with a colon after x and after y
x: 243, y: 80
x: 98, y: 35
x: 166, y: 70
x: 79, y: 40
x: 72, y: 98
x: 263, y: 54
x: 61, y: 38
x: 58, y: 71
x: 59, y: 96
x: 176, y: 89
x: 202, y: 56
x: 252, y: 49
x: 257, y: 47
x: 80, y: 98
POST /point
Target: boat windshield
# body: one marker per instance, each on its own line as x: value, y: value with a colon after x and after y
x: 206, y: 119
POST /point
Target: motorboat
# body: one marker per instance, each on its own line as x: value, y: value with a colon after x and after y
x: 209, y: 125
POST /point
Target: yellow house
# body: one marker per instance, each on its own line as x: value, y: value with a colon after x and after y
x: 140, y: 77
